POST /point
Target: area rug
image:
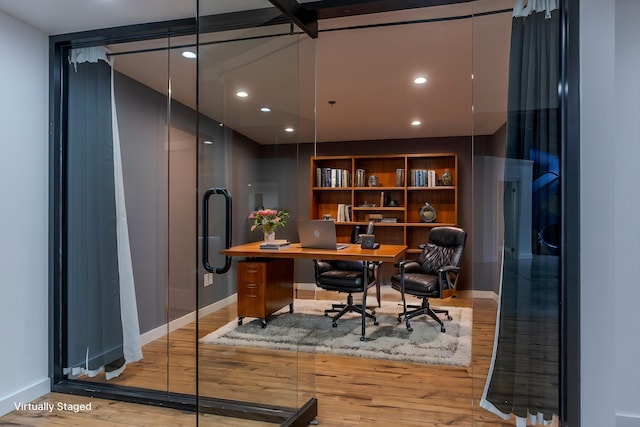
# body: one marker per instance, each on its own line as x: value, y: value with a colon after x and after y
x: 308, y: 330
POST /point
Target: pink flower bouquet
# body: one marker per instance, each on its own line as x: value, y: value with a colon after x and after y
x: 268, y: 219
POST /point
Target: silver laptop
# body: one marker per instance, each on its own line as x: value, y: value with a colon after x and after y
x: 319, y: 234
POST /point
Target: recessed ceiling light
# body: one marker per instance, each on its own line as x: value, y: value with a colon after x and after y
x: 416, y: 123
x: 288, y: 129
x: 265, y: 109
x: 420, y: 80
x: 242, y: 94
x: 189, y: 55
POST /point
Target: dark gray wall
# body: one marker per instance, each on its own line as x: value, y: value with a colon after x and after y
x: 162, y: 207
x: 141, y: 121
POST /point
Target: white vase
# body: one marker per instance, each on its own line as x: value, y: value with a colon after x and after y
x: 269, y: 236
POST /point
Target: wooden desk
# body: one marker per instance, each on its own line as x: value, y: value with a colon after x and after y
x: 385, y: 253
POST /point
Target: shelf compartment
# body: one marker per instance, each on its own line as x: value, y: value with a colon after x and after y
x: 383, y: 167
x: 444, y: 203
x: 326, y: 202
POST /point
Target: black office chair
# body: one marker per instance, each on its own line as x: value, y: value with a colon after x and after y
x: 348, y: 277
x: 433, y: 275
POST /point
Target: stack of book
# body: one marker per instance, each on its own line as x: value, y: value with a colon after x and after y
x: 275, y: 244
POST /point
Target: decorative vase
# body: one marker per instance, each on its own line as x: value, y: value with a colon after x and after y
x: 447, y: 178
x: 428, y: 213
x: 269, y: 236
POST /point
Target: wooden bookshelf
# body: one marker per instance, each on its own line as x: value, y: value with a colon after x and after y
x: 397, y: 203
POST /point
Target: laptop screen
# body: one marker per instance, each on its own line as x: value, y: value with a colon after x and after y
x: 318, y: 234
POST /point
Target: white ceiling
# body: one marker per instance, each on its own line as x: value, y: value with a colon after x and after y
x: 368, y: 72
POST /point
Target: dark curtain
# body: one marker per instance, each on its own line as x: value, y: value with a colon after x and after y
x: 524, y: 378
x: 93, y: 323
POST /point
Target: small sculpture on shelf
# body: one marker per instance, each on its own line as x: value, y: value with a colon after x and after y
x: 447, y: 178
x: 428, y: 213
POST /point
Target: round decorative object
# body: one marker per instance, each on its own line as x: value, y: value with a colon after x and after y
x: 447, y: 178
x: 428, y: 213
x: 373, y: 181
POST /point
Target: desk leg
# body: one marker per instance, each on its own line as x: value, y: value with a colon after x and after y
x: 365, y: 280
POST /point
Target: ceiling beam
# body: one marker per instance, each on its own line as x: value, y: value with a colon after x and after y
x: 303, y: 18
x: 327, y: 9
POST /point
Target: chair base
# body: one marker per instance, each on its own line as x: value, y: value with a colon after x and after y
x: 349, y: 307
x: 424, y: 309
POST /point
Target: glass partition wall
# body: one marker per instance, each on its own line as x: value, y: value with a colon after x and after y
x: 151, y: 126
x: 215, y: 120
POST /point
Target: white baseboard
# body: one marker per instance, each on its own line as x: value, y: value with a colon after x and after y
x: 306, y: 286
x: 26, y: 395
x: 178, y: 323
x: 630, y: 420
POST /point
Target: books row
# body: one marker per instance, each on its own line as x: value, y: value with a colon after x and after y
x: 423, y: 178
x: 336, y: 178
x: 330, y: 177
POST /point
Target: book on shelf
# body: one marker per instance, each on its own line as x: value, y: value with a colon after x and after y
x: 275, y: 244
x: 389, y: 219
x: 340, y: 212
x: 343, y: 213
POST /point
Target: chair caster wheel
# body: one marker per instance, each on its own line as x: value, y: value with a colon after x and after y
x: 409, y: 328
x: 449, y: 317
x: 263, y: 323
x: 443, y: 330
x: 326, y: 315
x: 334, y: 324
x: 362, y: 338
x: 376, y: 323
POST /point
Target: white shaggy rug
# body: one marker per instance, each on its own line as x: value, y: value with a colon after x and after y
x: 308, y: 330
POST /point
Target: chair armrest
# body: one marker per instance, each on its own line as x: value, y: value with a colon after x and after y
x: 409, y: 266
x: 447, y: 277
x: 321, y: 266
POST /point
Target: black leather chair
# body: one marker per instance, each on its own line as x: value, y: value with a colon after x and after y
x: 348, y: 277
x: 433, y: 275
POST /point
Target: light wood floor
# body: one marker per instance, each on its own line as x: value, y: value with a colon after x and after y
x: 350, y: 391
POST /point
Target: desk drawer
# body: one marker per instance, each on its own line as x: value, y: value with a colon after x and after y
x: 264, y: 286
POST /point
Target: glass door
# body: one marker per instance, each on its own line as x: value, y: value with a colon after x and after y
x: 254, y: 115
